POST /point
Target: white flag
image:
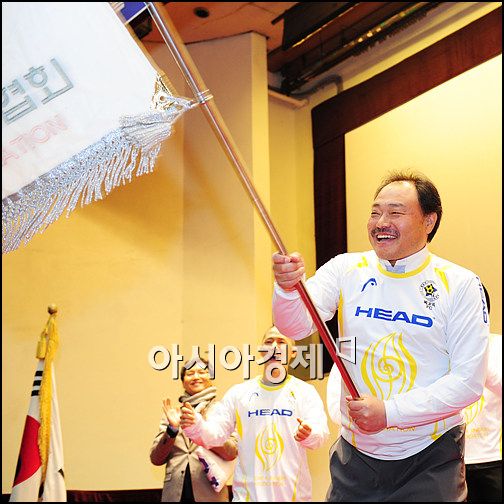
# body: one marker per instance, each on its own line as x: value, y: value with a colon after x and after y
x: 27, y: 481
x: 54, y: 484
x: 82, y: 108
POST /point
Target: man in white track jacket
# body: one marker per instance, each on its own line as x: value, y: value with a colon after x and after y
x: 276, y: 421
x: 420, y: 328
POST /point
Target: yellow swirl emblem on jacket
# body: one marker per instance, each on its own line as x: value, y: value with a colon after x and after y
x: 473, y: 410
x: 269, y: 446
x: 438, y: 432
x: 387, y: 367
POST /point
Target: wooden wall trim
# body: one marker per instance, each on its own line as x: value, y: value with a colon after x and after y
x: 329, y: 187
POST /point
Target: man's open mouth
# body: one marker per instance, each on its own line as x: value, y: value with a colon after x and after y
x: 382, y: 237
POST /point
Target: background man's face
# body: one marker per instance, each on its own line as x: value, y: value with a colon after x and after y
x: 196, y: 379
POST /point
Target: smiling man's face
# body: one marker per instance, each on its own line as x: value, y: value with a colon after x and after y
x: 397, y: 228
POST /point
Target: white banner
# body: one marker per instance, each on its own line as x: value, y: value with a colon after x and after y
x: 77, y: 111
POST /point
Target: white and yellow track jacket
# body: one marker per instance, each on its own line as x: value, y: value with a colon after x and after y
x: 484, y: 417
x: 420, y: 331
x: 272, y: 466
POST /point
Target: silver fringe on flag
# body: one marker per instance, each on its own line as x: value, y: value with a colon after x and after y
x: 99, y: 168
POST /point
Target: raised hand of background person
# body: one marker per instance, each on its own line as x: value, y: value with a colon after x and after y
x: 188, y: 416
x: 172, y: 414
x: 303, y: 431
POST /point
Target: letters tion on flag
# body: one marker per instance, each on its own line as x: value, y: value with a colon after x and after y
x: 82, y: 108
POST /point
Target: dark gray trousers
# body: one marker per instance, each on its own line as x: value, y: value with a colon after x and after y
x: 436, y: 474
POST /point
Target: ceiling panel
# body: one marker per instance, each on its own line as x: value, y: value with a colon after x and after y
x: 329, y: 32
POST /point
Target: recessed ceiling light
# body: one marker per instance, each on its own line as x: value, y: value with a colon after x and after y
x: 201, y: 12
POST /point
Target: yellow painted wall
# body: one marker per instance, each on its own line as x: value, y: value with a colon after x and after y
x: 174, y: 257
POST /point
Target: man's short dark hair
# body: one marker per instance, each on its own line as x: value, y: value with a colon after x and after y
x: 428, y: 195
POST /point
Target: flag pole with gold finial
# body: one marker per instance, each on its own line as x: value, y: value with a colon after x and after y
x: 46, y: 349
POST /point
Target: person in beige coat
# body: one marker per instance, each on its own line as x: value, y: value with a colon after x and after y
x: 185, y: 480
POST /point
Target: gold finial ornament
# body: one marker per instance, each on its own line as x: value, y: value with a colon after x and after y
x: 163, y: 93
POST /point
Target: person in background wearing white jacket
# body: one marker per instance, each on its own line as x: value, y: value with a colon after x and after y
x: 277, y: 417
x: 483, y: 450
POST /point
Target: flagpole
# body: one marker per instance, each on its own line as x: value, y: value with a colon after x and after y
x: 204, y: 98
